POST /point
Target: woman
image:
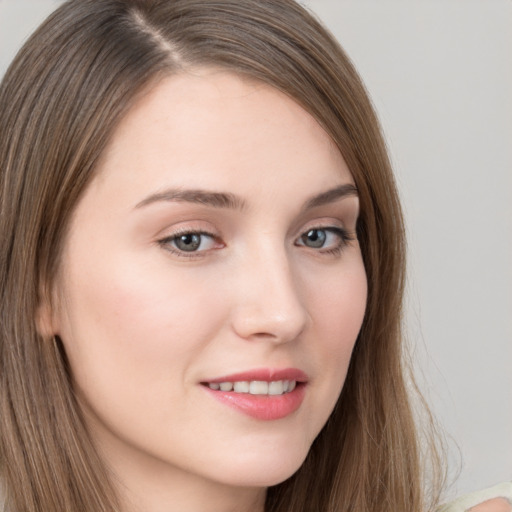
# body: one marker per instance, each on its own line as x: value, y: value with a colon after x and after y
x: 202, y: 267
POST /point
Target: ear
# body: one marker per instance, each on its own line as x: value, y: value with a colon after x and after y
x: 46, y: 315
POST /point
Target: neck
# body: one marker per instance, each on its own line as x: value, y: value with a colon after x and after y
x: 147, y: 484
x: 179, y: 492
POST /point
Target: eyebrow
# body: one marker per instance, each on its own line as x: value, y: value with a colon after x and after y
x: 332, y: 195
x: 234, y: 202
x: 214, y: 199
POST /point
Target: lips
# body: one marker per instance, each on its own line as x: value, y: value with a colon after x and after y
x: 263, y: 394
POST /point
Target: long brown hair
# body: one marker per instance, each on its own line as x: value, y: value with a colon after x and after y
x: 60, y: 102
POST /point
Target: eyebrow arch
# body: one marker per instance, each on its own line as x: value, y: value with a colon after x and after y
x: 232, y: 201
x: 346, y: 190
x: 214, y: 199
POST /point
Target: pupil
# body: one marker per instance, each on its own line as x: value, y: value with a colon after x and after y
x: 189, y: 242
x: 315, y: 238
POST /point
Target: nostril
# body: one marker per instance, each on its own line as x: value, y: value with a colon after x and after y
x: 263, y: 335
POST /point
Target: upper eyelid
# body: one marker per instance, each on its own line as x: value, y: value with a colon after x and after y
x: 341, y: 231
x: 187, y: 228
x: 327, y: 223
x: 189, y: 231
x: 195, y: 227
x: 214, y: 233
x: 165, y: 243
x: 177, y: 234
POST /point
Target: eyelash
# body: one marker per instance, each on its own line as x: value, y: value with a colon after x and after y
x: 168, y: 240
x: 344, y: 236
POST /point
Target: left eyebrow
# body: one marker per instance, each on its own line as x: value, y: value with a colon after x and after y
x: 346, y: 190
x: 204, y: 197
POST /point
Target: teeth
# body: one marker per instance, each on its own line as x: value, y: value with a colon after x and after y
x: 241, y: 387
x: 275, y: 388
x: 256, y: 387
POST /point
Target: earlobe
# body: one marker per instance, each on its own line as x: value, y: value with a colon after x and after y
x: 46, y: 318
x: 44, y: 324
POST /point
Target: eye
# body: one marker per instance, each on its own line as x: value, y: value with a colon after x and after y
x: 315, y: 238
x: 189, y: 242
x: 330, y: 240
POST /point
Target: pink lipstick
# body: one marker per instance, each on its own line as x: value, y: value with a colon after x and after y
x: 264, y: 394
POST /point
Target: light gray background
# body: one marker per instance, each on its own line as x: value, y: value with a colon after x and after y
x: 440, y: 75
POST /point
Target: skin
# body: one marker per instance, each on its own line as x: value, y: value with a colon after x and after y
x: 143, y: 324
x: 494, y: 505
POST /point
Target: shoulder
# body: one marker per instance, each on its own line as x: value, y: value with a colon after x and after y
x: 493, y: 499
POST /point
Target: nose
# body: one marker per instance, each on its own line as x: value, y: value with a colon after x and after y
x: 268, y: 304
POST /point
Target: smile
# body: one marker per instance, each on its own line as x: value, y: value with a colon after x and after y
x: 256, y: 387
x: 264, y: 394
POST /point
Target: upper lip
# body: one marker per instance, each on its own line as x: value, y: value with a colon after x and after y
x: 263, y: 374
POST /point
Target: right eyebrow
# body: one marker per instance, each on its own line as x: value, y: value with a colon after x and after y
x: 329, y: 196
x: 198, y: 196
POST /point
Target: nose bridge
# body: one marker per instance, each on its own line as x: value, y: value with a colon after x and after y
x: 269, y: 301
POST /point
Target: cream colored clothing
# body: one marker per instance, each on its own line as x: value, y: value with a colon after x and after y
x: 475, y: 498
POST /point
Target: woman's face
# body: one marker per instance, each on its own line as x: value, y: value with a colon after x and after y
x: 216, y: 245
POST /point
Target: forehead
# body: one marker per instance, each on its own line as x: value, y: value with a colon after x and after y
x: 213, y: 127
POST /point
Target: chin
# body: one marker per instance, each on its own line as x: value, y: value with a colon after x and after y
x: 263, y: 467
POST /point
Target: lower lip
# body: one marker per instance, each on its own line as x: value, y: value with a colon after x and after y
x: 262, y: 407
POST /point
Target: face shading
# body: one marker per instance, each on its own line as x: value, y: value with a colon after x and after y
x: 212, y: 286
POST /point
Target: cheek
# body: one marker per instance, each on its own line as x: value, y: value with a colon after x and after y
x: 337, y: 311
x: 122, y: 321
x: 338, y: 305
x: 132, y: 338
